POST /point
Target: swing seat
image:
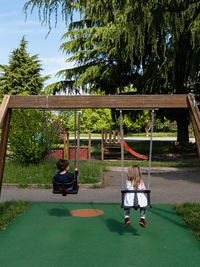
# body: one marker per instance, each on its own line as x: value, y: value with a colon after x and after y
x: 65, y: 188
x: 135, y: 200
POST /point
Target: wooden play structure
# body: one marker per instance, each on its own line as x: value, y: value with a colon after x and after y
x: 79, y: 102
x: 60, y: 152
x: 111, y: 144
x: 84, y: 151
x: 67, y: 151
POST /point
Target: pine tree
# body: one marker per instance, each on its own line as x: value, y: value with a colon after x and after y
x: 22, y: 74
x: 22, y: 77
x: 150, y: 45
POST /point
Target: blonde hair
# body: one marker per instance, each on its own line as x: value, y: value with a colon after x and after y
x: 134, y: 176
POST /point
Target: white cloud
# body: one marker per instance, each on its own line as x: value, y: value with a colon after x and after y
x: 19, y: 31
x: 54, y: 60
x: 8, y: 14
x: 52, y: 65
x: 20, y: 23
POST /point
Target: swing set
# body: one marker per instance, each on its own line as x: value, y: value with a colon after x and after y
x: 120, y: 102
x: 70, y: 187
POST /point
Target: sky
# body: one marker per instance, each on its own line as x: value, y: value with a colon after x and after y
x: 14, y: 25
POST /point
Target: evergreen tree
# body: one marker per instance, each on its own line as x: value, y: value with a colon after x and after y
x: 22, y: 77
x: 152, y: 45
x: 22, y: 74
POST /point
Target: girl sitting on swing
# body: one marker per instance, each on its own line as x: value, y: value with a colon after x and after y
x: 134, y: 182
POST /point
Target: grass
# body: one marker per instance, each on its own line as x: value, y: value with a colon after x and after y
x: 190, y: 214
x: 154, y: 163
x: 155, y: 134
x: 90, y: 172
x: 27, y: 174
x: 142, y: 147
x: 159, y: 147
x: 10, y: 210
x: 41, y: 173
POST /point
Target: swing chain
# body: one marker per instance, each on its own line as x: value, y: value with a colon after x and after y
x: 78, y: 138
x: 75, y: 140
x: 122, y: 149
x: 48, y: 144
x: 150, y: 150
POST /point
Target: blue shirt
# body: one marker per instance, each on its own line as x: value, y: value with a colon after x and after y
x: 67, y: 177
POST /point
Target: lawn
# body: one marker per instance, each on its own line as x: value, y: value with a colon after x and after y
x: 155, y: 134
x: 9, y: 211
x: 142, y: 147
x: 190, y: 214
x: 91, y: 172
x: 41, y: 174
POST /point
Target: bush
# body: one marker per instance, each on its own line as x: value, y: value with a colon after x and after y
x: 27, y: 137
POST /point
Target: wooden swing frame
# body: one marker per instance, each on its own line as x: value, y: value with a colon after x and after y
x: 90, y: 101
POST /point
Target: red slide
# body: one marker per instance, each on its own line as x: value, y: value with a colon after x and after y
x: 133, y: 152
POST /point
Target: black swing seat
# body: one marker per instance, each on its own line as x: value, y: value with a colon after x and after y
x: 135, y: 200
x: 64, y: 188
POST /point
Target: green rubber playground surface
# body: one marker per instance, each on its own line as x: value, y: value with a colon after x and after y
x: 47, y: 235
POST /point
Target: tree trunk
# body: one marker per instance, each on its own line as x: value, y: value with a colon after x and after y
x: 182, y: 120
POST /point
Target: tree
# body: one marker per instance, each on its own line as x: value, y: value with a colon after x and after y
x: 22, y: 77
x: 91, y: 120
x: 152, y: 45
x: 22, y: 74
x: 96, y: 120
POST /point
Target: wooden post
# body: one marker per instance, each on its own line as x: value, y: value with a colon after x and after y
x: 102, y: 148
x: 196, y: 133
x: 89, y: 147
x: 3, y: 145
x: 106, y: 141
x: 195, y: 117
x: 65, y: 137
x: 114, y: 137
x: 4, y: 108
x: 118, y: 138
x: 68, y: 146
x: 110, y: 137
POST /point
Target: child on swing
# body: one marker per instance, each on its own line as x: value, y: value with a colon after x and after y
x: 64, y: 176
x: 134, y: 182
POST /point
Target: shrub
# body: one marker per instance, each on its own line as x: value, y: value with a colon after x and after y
x: 27, y: 137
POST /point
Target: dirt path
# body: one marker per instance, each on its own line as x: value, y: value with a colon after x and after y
x: 168, y: 185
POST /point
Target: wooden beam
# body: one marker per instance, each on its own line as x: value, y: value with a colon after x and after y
x: 109, y: 101
x: 194, y: 109
x: 4, y: 108
x: 195, y: 118
x: 3, y: 144
x: 196, y: 133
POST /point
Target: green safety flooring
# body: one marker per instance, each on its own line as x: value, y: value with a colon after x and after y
x: 47, y: 235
